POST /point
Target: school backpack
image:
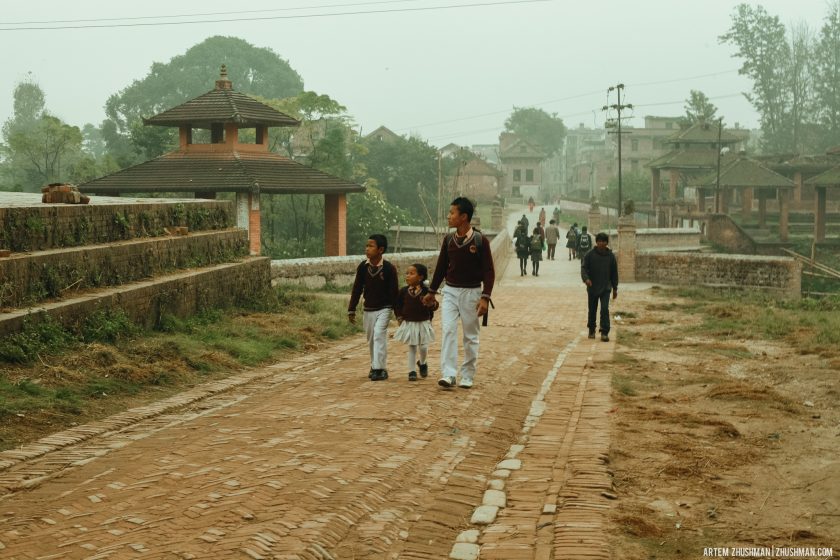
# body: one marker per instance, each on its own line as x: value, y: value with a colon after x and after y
x: 536, y: 243
x: 585, y: 242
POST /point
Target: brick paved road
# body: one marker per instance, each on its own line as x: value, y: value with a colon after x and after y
x: 307, y: 459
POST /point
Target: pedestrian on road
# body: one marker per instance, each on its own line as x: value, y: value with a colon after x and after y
x: 522, y: 243
x: 531, y: 204
x: 415, y: 320
x: 572, y: 241
x: 536, y: 245
x: 524, y: 221
x: 556, y: 216
x: 376, y: 278
x: 552, y: 236
x: 584, y: 243
x: 542, y: 217
x: 466, y: 262
x: 599, y: 271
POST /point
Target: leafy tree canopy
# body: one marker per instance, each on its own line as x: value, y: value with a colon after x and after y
x: 698, y: 108
x: 537, y: 127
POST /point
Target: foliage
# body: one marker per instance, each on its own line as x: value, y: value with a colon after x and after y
x: 537, y: 127
x: 369, y: 213
x: 634, y: 186
x: 253, y: 70
x: 826, y: 70
x: 698, y: 108
x: 404, y: 171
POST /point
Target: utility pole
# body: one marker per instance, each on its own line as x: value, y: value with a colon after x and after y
x: 618, y: 88
x: 718, y: 201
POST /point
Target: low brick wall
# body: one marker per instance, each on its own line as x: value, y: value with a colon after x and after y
x: 722, y: 231
x: 39, y: 227
x: 340, y: 271
x: 26, y: 279
x: 780, y: 275
x: 662, y: 238
x: 183, y: 295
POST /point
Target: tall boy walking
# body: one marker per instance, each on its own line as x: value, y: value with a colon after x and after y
x: 376, y: 278
x: 465, y: 261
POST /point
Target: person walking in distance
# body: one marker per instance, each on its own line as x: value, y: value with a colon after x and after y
x: 542, y: 217
x: 522, y: 243
x: 466, y: 263
x: 376, y: 279
x: 599, y: 271
x: 415, y: 320
x: 536, y: 245
x: 571, y: 241
x: 552, y: 236
x: 584, y: 243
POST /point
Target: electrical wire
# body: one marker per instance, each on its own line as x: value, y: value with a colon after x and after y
x: 274, y: 18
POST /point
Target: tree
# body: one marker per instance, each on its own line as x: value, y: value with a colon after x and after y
x: 37, y: 148
x: 253, y: 70
x: 800, y: 81
x: 537, y: 127
x: 826, y: 67
x: 698, y: 108
x: 634, y: 186
x: 761, y: 43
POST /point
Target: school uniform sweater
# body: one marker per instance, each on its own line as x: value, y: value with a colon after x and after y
x: 410, y: 308
x: 462, y: 265
x: 377, y: 283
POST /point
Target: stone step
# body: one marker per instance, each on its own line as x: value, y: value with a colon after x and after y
x: 29, y: 278
x: 181, y: 294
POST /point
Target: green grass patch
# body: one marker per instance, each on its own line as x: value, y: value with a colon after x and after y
x: 623, y: 384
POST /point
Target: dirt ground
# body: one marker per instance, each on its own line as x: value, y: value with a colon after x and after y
x: 718, y: 443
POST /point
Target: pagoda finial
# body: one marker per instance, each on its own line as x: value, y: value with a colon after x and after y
x: 223, y: 82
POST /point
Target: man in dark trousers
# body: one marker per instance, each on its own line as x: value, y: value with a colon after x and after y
x: 599, y: 271
x: 466, y: 263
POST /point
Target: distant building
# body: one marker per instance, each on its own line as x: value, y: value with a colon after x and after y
x: 383, y: 134
x: 478, y: 180
x: 521, y: 167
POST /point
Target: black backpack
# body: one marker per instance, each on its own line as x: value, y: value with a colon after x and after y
x: 585, y: 242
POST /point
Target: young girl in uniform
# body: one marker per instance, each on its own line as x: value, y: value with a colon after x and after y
x: 415, y: 320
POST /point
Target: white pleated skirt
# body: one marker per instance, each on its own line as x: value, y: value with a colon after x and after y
x: 415, y: 333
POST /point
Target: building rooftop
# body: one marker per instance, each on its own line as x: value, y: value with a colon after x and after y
x: 703, y: 133
x: 830, y: 178
x: 742, y: 172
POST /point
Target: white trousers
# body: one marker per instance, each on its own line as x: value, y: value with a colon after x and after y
x: 459, y: 303
x: 376, y: 329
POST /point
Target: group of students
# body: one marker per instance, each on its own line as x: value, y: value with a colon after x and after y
x: 578, y: 241
x: 466, y: 271
x: 465, y: 263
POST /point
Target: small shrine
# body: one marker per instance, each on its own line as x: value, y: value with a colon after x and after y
x: 228, y: 163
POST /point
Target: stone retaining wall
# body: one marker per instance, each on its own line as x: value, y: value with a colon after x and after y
x: 26, y: 279
x: 661, y: 238
x: 340, y: 271
x: 781, y: 275
x: 183, y: 295
x: 51, y: 226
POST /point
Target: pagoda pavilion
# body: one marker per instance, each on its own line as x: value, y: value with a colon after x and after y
x: 227, y: 164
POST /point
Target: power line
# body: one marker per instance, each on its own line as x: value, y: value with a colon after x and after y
x: 270, y: 18
x: 205, y: 14
x: 683, y: 100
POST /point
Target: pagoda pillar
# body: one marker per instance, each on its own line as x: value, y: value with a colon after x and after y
x: 784, y: 213
x: 762, y: 209
x: 335, y: 225
x: 746, y: 203
x: 701, y: 200
x: 797, y: 186
x: 819, y: 213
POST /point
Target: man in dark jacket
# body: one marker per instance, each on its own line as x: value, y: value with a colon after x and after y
x: 599, y: 271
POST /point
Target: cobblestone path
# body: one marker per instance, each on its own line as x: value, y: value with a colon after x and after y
x: 307, y: 459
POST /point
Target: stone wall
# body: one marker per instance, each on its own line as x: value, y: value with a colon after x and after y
x: 780, y: 275
x: 722, y: 231
x: 52, y: 226
x: 661, y: 238
x: 26, y: 279
x: 340, y: 271
x: 183, y: 294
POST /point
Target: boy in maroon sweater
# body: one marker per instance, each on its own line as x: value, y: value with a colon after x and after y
x: 376, y: 278
x: 465, y: 261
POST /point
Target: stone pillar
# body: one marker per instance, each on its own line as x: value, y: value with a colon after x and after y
x: 746, y: 203
x: 496, y: 218
x: 797, y: 186
x: 335, y: 225
x: 762, y: 209
x: 594, y: 221
x: 627, y: 249
x: 248, y: 218
x: 819, y: 213
x: 784, y: 213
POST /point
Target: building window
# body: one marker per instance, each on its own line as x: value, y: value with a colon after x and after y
x: 515, y: 190
x: 517, y: 174
x: 529, y: 175
x: 634, y: 145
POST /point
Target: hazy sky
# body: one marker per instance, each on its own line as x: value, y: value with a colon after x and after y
x: 447, y: 75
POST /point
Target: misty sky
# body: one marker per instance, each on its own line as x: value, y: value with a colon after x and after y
x: 446, y: 75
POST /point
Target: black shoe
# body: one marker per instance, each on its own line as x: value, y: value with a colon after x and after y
x: 591, y: 334
x: 383, y: 374
x: 370, y: 374
x: 424, y: 369
x: 604, y: 338
x: 379, y: 375
x: 412, y: 376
